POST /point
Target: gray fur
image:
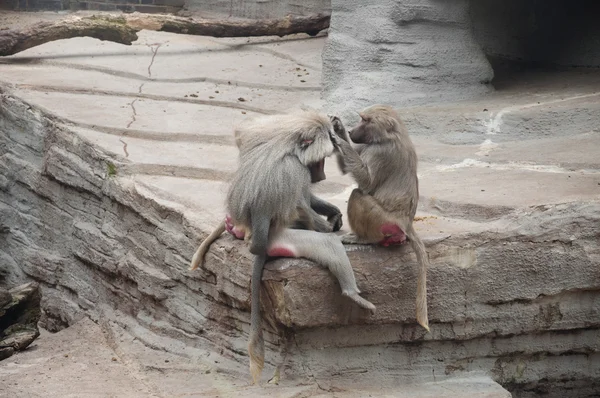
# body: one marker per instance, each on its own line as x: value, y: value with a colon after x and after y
x: 256, y: 133
x: 269, y: 188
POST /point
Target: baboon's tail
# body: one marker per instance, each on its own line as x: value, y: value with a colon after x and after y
x: 256, y: 343
x: 198, y: 259
x: 423, y: 263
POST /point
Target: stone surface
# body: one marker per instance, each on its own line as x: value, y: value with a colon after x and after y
x: 401, y: 53
x: 114, y: 175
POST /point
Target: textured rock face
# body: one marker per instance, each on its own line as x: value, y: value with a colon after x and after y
x: 401, y: 53
x: 427, y: 51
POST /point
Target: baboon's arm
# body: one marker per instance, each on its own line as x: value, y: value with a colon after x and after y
x: 324, y: 208
x: 348, y: 157
x: 353, y: 164
x: 340, y: 130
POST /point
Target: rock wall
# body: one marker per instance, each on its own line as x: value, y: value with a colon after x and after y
x: 401, y: 54
x: 258, y: 8
x: 97, y: 246
x: 517, y: 296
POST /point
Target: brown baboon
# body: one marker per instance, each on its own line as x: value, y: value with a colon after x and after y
x: 381, y: 157
x: 268, y: 191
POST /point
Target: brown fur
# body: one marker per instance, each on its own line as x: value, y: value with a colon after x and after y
x: 383, y: 161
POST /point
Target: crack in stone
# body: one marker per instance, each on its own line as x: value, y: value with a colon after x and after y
x: 258, y: 47
x: 154, y: 52
x: 124, y: 148
x: 133, y: 116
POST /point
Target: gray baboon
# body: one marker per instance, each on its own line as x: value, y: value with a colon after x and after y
x: 268, y: 191
x: 381, y: 157
x: 248, y: 136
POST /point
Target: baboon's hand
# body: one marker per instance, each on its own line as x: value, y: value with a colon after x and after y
x: 335, y: 139
x: 338, y: 126
x: 336, y: 221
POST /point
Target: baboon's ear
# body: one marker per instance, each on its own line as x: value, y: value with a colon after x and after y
x: 364, y: 118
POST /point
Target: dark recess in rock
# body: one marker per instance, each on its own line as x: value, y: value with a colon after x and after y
x: 19, y: 315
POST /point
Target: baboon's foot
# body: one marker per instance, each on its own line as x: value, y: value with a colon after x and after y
x: 366, y: 304
x: 424, y: 322
x: 276, y: 377
x: 352, y: 239
x: 239, y: 233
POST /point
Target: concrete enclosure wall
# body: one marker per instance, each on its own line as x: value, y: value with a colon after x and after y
x: 145, y: 6
x: 559, y: 32
x: 259, y: 8
x: 230, y: 8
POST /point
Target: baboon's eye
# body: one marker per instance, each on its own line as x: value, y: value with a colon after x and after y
x: 305, y: 143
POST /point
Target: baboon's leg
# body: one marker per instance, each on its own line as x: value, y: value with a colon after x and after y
x: 351, y: 239
x: 325, y: 249
x: 371, y: 223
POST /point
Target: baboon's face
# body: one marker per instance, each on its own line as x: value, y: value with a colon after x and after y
x: 317, y: 171
x: 365, y: 132
x: 314, y: 146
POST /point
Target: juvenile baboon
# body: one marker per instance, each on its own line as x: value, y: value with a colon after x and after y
x: 248, y: 136
x: 268, y: 191
x: 383, y: 162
